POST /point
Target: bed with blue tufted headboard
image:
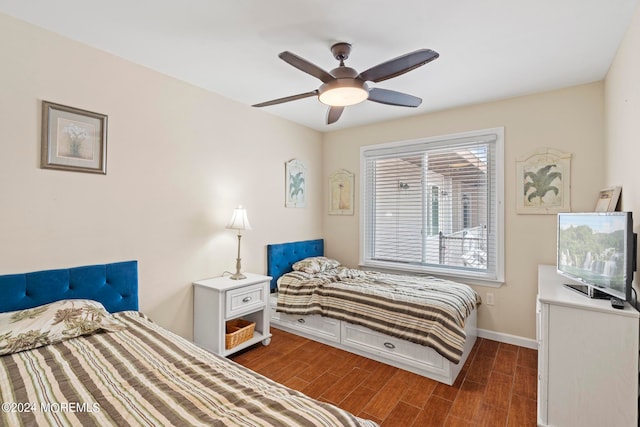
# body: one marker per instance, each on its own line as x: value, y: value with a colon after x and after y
x: 114, y: 285
x: 335, y: 310
x: 282, y: 256
x: 54, y: 357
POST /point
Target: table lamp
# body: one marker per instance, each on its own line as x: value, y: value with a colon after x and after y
x: 239, y: 221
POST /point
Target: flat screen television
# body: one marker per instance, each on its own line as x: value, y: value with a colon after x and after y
x: 597, y: 251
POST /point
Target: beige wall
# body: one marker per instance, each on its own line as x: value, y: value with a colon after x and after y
x: 622, y: 120
x: 568, y: 120
x: 179, y: 160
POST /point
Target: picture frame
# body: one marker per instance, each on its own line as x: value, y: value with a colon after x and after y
x: 295, y: 184
x: 73, y: 139
x: 341, y: 193
x: 543, y: 182
x: 608, y: 199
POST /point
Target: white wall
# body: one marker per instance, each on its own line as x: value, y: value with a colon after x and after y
x: 179, y: 159
x: 622, y: 124
x: 569, y: 120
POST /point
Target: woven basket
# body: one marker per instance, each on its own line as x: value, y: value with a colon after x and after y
x: 238, y: 331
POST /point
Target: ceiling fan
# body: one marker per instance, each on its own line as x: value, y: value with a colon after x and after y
x: 344, y: 86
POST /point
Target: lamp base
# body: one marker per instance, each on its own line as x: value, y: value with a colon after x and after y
x: 238, y: 275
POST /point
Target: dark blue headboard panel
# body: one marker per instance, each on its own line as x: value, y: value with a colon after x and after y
x: 114, y: 285
x: 281, y: 256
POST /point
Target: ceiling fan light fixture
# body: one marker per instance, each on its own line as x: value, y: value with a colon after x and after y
x: 343, y: 92
x: 344, y: 86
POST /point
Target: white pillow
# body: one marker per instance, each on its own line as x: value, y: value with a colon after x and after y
x: 50, y: 323
x: 318, y: 264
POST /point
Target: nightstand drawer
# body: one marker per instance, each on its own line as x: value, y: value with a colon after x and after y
x: 245, y: 299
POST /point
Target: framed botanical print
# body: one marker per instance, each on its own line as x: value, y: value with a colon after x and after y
x: 543, y: 182
x: 73, y: 139
x: 295, y: 184
x: 341, y: 193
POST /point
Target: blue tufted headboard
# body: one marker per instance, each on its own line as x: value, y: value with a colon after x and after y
x: 281, y: 256
x: 114, y: 285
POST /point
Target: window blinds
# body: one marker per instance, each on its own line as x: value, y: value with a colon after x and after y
x: 432, y: 206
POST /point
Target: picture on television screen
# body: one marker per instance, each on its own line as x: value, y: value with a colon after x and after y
x: 592, y: 248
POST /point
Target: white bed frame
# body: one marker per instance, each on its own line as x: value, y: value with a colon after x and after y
x: 365, y: 342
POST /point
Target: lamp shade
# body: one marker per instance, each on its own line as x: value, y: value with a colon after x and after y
x: 239, y: 220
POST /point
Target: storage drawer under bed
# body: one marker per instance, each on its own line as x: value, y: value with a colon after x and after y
x: 314, y: 324
x: 365, y: 339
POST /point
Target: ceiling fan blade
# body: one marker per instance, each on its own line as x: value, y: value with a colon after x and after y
x: 334, y: 114
x: 399, y: 65
x: 306, y: 66
x: 392, y: 97
x: 286, y: 99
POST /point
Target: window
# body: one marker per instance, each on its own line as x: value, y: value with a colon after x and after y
x: 435, y: 205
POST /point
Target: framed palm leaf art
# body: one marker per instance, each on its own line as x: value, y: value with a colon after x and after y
x: 295, y: 184
x: 543, y: 182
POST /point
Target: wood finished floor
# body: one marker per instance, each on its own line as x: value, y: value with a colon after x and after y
x: 496, y: 387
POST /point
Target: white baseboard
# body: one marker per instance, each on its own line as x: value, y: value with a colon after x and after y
x: 508, y: 339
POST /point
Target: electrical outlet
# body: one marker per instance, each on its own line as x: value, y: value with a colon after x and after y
x: 489, y: 298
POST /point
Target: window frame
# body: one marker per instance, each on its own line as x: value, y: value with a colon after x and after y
x: 494, y: 278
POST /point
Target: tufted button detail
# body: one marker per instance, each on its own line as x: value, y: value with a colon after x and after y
x: 41, y: 287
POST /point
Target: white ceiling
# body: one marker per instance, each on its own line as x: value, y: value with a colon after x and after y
x: 489, y: 49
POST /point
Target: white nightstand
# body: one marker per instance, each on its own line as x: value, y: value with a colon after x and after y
x: 219, y: 299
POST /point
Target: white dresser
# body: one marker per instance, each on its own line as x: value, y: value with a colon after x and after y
x: 219, y: 299
x: 587, y: 357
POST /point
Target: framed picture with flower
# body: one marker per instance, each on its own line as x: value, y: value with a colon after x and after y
x: 73, y: 139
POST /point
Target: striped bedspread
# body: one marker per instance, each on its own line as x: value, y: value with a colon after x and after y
x: 423, y: 310
x: 147, y: 376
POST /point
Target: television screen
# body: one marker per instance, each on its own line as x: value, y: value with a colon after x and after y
x: 596, y: 249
